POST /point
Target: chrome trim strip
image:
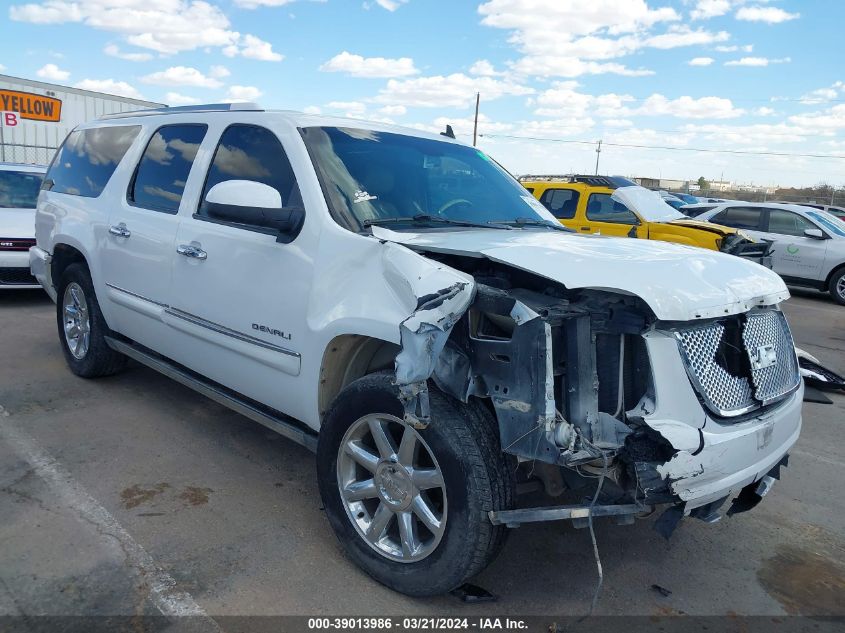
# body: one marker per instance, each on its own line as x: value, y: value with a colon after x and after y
x: 222, y: 329
x: 137, y: 296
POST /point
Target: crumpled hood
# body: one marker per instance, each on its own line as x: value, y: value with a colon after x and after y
x: 704, y: 226
x: 679, y: 283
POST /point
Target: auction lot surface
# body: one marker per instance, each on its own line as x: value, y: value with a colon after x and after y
x: 231, y: 512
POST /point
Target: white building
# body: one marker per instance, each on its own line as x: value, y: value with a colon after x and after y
x: 35, y: 117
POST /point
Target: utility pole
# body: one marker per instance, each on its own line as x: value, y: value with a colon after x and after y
x: 832, y: 194
x: 475, y: 125
x: 598, y: 155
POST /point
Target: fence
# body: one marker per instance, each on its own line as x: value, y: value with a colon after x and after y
x: 31, y: 154
x: 820, y: 196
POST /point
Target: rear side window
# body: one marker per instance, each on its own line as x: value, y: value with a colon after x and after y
x: 788, y: 223
x: 603, y: 208
x: 19, y: 189
x: 164, y: 167
x: 740, y: 218
x: 250, y: 152
x: 561, y: 202
x: 88, y: 158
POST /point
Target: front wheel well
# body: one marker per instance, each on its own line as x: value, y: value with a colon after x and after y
x: 63, y: 256
x: 349, y: 357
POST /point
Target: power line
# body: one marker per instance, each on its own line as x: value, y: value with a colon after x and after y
x: 666, y: 147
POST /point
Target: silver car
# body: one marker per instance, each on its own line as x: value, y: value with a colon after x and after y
x: 809, y: 244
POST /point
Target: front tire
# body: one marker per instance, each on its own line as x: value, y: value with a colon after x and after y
x: 82, y: 328
x: 837, y: 287
x: 410, y: 506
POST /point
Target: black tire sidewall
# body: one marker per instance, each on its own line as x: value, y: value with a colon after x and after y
x: 99, y: 353
x: 833, y: 283
x: 445, y: 568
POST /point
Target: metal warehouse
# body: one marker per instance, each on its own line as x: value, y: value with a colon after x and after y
x: 36, y: 116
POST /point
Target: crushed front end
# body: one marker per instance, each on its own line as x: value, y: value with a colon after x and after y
x: 589, y: 383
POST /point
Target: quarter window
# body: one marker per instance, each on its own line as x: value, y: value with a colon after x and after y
x: 163, y: 170
x: 740, y: 218
x: 603, y: 208
x: 87, y: 159
x: 561, y: 202
x: 788, y: 223
x: 250, y: 152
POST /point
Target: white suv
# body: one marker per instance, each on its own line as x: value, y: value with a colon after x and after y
x: 398, y: 303
x: 19, y: 185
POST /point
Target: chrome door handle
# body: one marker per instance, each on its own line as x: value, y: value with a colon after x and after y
x: 120, y: 230
x: 189, y: 250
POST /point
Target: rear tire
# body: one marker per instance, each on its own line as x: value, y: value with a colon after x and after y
x: 82, y: 328
x: 837, y: 287
x: 461, y: 444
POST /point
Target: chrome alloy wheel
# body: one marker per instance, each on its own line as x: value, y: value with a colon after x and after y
x: 76, y: 320
x: 392, y: 488
x: 840, y: 287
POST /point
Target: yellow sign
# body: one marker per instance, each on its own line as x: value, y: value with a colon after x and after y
x: 31, y: 106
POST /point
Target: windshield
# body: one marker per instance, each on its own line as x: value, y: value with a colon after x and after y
x: 829, y: 221
x: 647, y: 204
x: 372, y: 177
x: 19, y: 189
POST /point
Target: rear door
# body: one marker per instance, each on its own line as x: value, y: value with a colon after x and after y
x: 239, y: 296
x: 610, y: 217
x: 139, y: 248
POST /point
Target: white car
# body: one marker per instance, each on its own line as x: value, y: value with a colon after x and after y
x: 19, y: 185
x: 808, y: 244
x: 397, y: 302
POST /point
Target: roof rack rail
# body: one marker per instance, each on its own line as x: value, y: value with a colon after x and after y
x: 613, y: 182
x: 244, y: 106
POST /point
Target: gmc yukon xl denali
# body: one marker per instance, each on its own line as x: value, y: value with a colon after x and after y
x: 398, y: 303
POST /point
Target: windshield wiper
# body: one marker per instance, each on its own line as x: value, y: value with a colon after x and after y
x: 424, y: 218
x: 521, y: 222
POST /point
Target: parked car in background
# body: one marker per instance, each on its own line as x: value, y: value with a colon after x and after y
x: 687, y: 198
x: 839, y: 212
x: 19, y: 187
x: 613, y: 205
x: 397, y: 302
x: 670, y: 199
x: 694, y: 210
x: 808, y: 245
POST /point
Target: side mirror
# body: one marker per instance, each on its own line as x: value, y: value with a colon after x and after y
x: 254, y: 204
x: 816, y: 234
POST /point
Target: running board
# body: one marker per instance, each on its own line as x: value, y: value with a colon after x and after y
x: 275, y: 421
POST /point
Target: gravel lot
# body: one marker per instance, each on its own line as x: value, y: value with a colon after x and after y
x: 229, y: 511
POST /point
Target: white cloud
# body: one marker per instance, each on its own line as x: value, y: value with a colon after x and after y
x: 358, y: 66
x: 701, y: 61
x: 350, y: 107
x: 181, y: 76
x: 2, y: 68
x: 391, y: 5
x: 312, y: 110
x: 706, y: 9
x: 52, y: 72
x: 769, y: 15
x: 455, y: 90
x: 242, y: 93
x: 164, y: 26
x: 176, y: 99
x: 563, y: 100
x: 689, y: 107
x: 827, y: 121
x: 218, y: 72
x: 253, y: 4
x: 764, y: 111
x: 567, y: 39
x: 484, y: 68
x: 114, y: 51
x: 823, y: 95
x: 252, y: 47
x: 757, y: 61
x: 734, y: 48
x: 109, y: 86
x: 394, y: 110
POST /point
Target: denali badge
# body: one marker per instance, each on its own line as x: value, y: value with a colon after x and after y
x: 270, y: 330
x: 764, y: 356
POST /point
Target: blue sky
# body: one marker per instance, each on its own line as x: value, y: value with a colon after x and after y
x: 741, y: 75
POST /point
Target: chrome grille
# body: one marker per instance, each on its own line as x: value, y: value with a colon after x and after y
x: 766, y: 363
x: 770, y: 328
